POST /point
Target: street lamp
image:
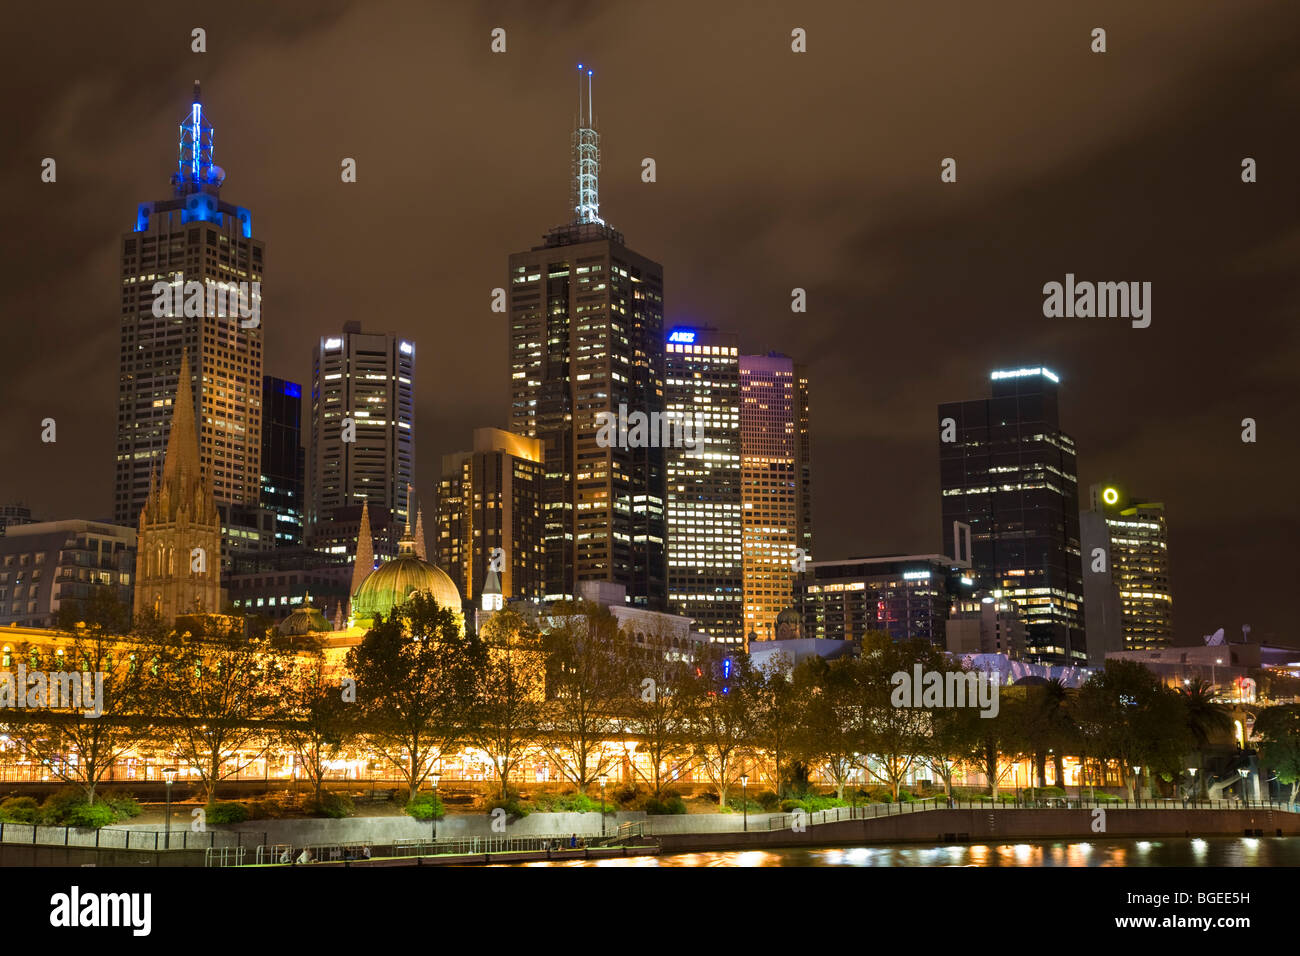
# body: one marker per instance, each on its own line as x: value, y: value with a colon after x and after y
x: 433, y: 807
x: 1137, y: 783
x: 1245, y: 780
x: 603, y: 778
x: 744, y: 798
x: 1195, y: 792
x: 169, y: 774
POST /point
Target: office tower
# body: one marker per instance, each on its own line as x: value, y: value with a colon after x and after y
x: 14, y: 514
x: 1008, y: 471
x: 44, y: 564
x: 1126, y: 565
x: 490, y: 498
x: 178, y: 544
x: 362, y: 438
x: 776, y: 480
x: 191, y: 284
x: 585, y: 338
x: 705, y: 568
x: 283, y: 459
x: 986, y: 625
x: 904, y: 596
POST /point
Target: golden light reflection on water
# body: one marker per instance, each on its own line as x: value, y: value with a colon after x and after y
x: 1240, y: 851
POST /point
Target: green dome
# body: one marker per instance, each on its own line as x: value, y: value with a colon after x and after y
x: 393, y: 583
x: 305, y: 619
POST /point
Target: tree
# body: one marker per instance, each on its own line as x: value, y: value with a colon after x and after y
x: 1126, y: 714
x: 319, y: 723
x: 116, y: 710
x: 724, y: 721
x: 889, y: 737
x: 1205, y: 718
x: 514, y: 693
x: 419, y: 686
x: 826, y: 737
x: 659, y: 716
x: 1279, y: 730
x: 779, y: 708
x: 995, y: 743
x: 1048, y: 727
x: 218, y: 694
x: 588, y: 686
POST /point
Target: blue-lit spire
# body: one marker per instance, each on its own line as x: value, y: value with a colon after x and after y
x: 195, y: 166
x: 586, y: 156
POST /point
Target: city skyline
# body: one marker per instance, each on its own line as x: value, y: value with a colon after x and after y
x: 1140, y: 407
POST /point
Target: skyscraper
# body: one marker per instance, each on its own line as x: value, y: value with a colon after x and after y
x: 1008, y: 471
x: 362, y: 438
x: 283, y: 459
x: 490, y: 498
x: 586, y: 337
x: 776, y: 485
x: 1133, y: 539
x: 705, y: 566
x: 191, y: 283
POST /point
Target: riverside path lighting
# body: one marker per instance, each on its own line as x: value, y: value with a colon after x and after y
x: 1245, y: 780
x: 433, y: 806
x: 603, y: 778
x: 169, y: 775
x: 1195, y: 792
x: 1137, y: 784
x: 744, y: 798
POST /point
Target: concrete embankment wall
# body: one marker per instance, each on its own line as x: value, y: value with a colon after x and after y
x: 938, y: 826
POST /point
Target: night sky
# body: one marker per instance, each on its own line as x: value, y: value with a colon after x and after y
x: 775, y: 170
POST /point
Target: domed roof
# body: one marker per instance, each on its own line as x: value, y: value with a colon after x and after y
x: 393, y: 583
x: 305, y: 619
x: 789, y: 616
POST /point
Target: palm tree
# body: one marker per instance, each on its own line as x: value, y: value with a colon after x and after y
x: 1205, y: 717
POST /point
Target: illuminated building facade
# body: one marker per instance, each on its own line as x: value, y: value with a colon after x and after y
x: 585, y: 336
x: 283, y: 460
x: 490, y: 498
x: 194, y: 241
x: 1134, y: 538
x: 776, y: 486
x: 705, y: 564
x: 45, y: 563
x: 362, y: 390
x: 904, y: 596
x: 1008, y: 471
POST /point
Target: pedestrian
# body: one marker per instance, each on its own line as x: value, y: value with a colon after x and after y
x: 573, y: 842
x: 305, y: 856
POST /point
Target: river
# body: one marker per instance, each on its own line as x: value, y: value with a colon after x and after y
x: 1155, y: 852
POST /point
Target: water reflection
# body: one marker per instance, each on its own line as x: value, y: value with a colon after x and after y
x: 1228, y: 851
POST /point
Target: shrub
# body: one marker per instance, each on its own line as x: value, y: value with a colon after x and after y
x: 333, y: 805
x: 90, y: 815
x: 740, y: 804
x: 19, y: 810
x: 225, y: 812
x: 658, y: 807
x: 426, y: 806
x: 768, y: 800
x: 60, y: 806
x: 626, y: 795
x: 124, y: 804
x: 510, y: 804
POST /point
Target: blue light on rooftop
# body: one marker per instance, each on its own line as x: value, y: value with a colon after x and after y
x: 682, y: 335
x: 293, y: 390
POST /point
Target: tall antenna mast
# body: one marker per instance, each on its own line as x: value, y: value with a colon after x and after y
x: 586, y: 158
x: 195, y: 148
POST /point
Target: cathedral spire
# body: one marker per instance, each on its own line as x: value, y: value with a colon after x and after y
x: 365, y: 550
x: 421, y: 548
x: 182, y: 458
